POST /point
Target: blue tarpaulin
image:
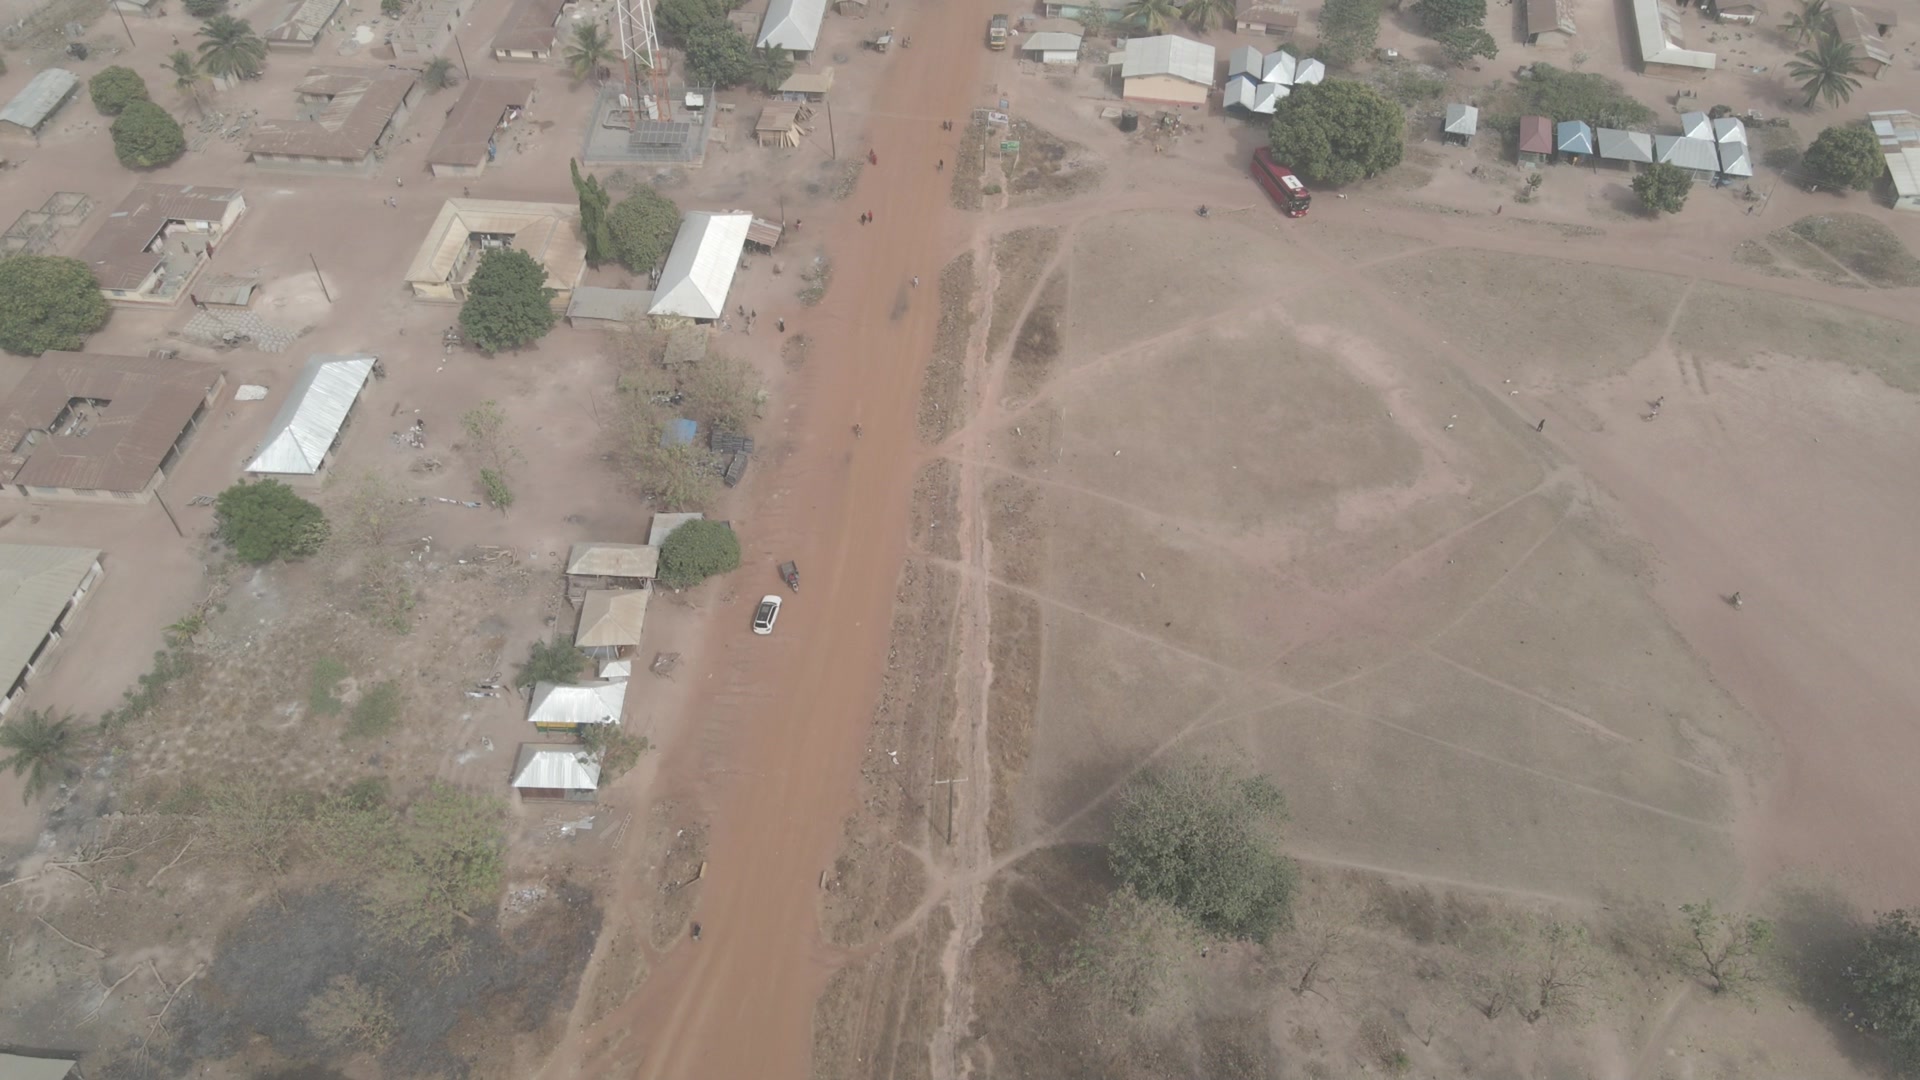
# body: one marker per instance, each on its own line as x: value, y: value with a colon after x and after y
x: 679, y: 433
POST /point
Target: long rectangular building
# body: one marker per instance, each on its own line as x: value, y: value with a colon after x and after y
x: 467, y: 140
x: 81, y: 426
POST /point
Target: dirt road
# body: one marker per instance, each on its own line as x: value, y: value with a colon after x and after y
x: 790, y: 713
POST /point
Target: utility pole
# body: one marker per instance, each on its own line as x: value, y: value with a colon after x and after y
x: 318, y: 276
x: 176, y: 524
x: 833, y: 145
x: 463, y: 58
x: 123, y: 23
x: 949, y: 783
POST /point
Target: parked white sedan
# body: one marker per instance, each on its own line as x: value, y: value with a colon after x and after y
x: 765, y: 614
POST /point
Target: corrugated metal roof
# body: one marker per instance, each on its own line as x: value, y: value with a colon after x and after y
x: 1051, y: 41
x: 1736, y: 159
x: 118, y: 252
x: 303, y: 21
x: 700, y: 269
x: 664, y: 524
x: 611, y: 617
x: 1698, y: 155
x: 1168, y: 54
x: 1695, y: 125
x: 597, y: 702
x: 613, y: 560
x: 809, y: 82
x: 35, y: 584
x: 618, y: 668
x: 1858, y: 29
x: 297, y: 442
x: 546, y: 231
x: 1573, y: 137
x: 1536, y: 135
x: 529, y: 26
x: 116, y: 447
x: 1617, y: 145
x: 1310, y: 72
x: 475, y: 117
x: 1657, y: 24
x: 1246, y: 60
x: 361, y: 103
x: 1279, y: 67
x: 1238, y: 93
x: 39, y: 98
x: 566, y: 768
x: 1546, y: 15
x: 611, y: 305
x: 1462, y: 119
x: 792, y: 24
x: 1266, y: 97
x: 1729, y: 129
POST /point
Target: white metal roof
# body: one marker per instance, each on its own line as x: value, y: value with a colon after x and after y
x: 1462, y: 119
x: 1168, y: 54
x: 1618, y: 145
x: 700, y: 268
x: 1238, y: 93
x: 568, y: 768
x: 610, y: 617
x: 597, y: 702
x: 1280, y: 67
x: 1245, y: 60
x: 35, y: 584
x: 1573, y: 137
x: 23, y: 1067
x: 37, y: 100
x: 1657, y: 24
x: 611, y: 305
x: 1051, y: 41
x: 617, y: 668
x: 1695, y: 125
x: 664, y: 524
x: 1309, y: 72
x: 1903, y: 168
x: 1699, y: 155
x: 1729, y: 129
x: 1267, y: 95
x: 613, y: 560
x: 309, y: 420
x: 1736, y: 159
x: 792, y: 24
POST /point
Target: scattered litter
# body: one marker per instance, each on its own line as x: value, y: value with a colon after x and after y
x: 571, y: 827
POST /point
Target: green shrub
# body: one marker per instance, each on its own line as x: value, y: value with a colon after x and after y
x: 556, y: 661
x: 696, y: 551
x: 48, y: 302
x: 146, y: 136
x: 642, y: 227
x: 115, y: 88
x: 265, y: 521
x: 508, y: 302
x: 376, y: 711
x: 321, y: 699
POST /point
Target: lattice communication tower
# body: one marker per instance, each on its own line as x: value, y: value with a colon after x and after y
x: 640, y: 55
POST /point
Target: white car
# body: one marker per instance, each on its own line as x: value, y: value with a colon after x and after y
x: 765, y: 614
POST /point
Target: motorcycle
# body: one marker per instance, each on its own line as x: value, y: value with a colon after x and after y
x: 696, y: 931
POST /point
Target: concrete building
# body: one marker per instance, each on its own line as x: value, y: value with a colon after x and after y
x: 553, y: 707
x: 30, y: 109
x: 547, y: 771
x: 1166, y: 70
x: 595, y: 308
x: 345, y: 114
x: 1899, y: 133
x: 1861, y: 29
x: 1549, y: 22
x: 1623, y: 148
x: 1536, y: 140
x: 1051, y: 47
x: 1271, y: 17
x: 299, y: 443
x: 85, y: 427
x: 1657, y: 25
x: 486, y: 109
x: 426, y: 28
x: 1459, y: 124
x: 700, y: 268
x: 467, y: 228
x: 612, y: 566
x: 155, y: 242
x: 300, y: 28
x: 531, y: 30
x: 40, y: 589
x: 793, y: 25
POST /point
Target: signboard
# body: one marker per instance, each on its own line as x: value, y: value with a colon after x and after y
x: 1009, y: 147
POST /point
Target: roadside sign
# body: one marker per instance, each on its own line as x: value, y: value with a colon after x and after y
x: 1009, y: 147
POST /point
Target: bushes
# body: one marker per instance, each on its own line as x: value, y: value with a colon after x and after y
x: 48, y: 302
x: 1663, y: 187
x: 696, y: 551
x: 555, y: 661
x: 508, y: 302
x: 1337, y: 132
x: 641, y: 228
x: 146, y: 136
x: 1573, y: 95
x: 115, y: 88
x: 265, y: 521
x: 1348, y: 30
x: 1846, y: 157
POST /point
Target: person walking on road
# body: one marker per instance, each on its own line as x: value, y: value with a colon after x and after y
x: 916, y: 281
x: 873, y: 158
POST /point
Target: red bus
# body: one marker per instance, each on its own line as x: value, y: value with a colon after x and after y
x: 1279, y: 182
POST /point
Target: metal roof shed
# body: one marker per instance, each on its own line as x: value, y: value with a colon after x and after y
x: 1461, y: 122
x: 1536, y: 138
x: 1280, y: 67
x: 1245, y: 60
x: 699, y: 270
x: 1054, y: 46
x: 39, y: 100
x: 613, y: 560
x: 1170, y: 55
x: 611, y: 617
x: 792, y: 24
x: 1573, y: 137
x: 558, y: 769
x: 595, y: 702
x: 1238, y: 93
x: 1736, y: 159
x: 1695, y: 125
x: 1698, y: 156
x: 664, y: 524
x: 303, y: 434
x: 38, y: 586
x: 1309, y: 72
x: 1633, y: 147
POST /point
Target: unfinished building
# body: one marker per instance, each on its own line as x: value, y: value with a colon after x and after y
x: 155, y: 242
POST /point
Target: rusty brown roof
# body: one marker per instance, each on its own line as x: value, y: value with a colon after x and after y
x: 529, y: 26
x: 115, y: 446
x: 475, y: 117
x: 118, y: 252
x: 362, y: 103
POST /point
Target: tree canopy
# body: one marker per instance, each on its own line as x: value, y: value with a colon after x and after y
x: 268, y: 520
x: 1439, y: 16
x: 231, y: 49
x: 114, y: 88
x: 772, y: 68
x: 1579, y: 95
x: 1462, y: 43
x: 48, y: 302
x: 678, y: 19
x: 146, y: 136
x: 39, y: 747
x: 1337, y: 132
x: 719, y: 55
x: 589, y: 50
x: 1827, y: 70
x: 593, y: 215
x: 1885, y: 977
x: 696, y: 551
x: 642, y: 228
x: 555, y: 661
x: 1846, y: 157
x: 508, y: 302
x: 1205, y: 839
x: 1663, y: 187
x: 1348, y: 30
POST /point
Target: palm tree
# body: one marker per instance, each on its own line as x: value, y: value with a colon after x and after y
x: 1814, y: 19
x: 1200, y: 14
x: 1155, y: 15
x: 1826, y: 71
x: 232, y: 50
x: 771, y: 68
x: 187, y: 75
x: 590, y: 50
x: 42, y: 749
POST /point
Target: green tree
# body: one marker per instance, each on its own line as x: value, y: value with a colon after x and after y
x: 1663, y: 187
x: 1576, y: 95
x: 642, y: 227
x: 1206, y: 840
x: 40, y: 747
x: 1846, y: 157
x: 1337, y: 132
x: 205, y: 9
x: 593, y: 215
x: 679, y: 19
x: 772, y: 68
x: 187, y: 76
x: 268, y: 520
x: 1202, y: 14
x: 439, y: 74
x: 1131, y: 959
x: 720, y: 55
x: 1155, y: 15
x: 1348, y: 30
x: 146, y: 136
x: 114, y: 88
x: 48, y: 302
x: 697, y: 551
x: 1813, y: 20
x: 555, y: 661
x: 616, y: 751
x: 589, y: 50
x: 1885, y: 977
x: 423, y: 872
x: 1439, y: 16
x: 1462, y: 43
x: 232, y: 50
x: 393, y: 9
x: 1826, y: 71
x: 1724, y: 949
x: 508, y: 302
